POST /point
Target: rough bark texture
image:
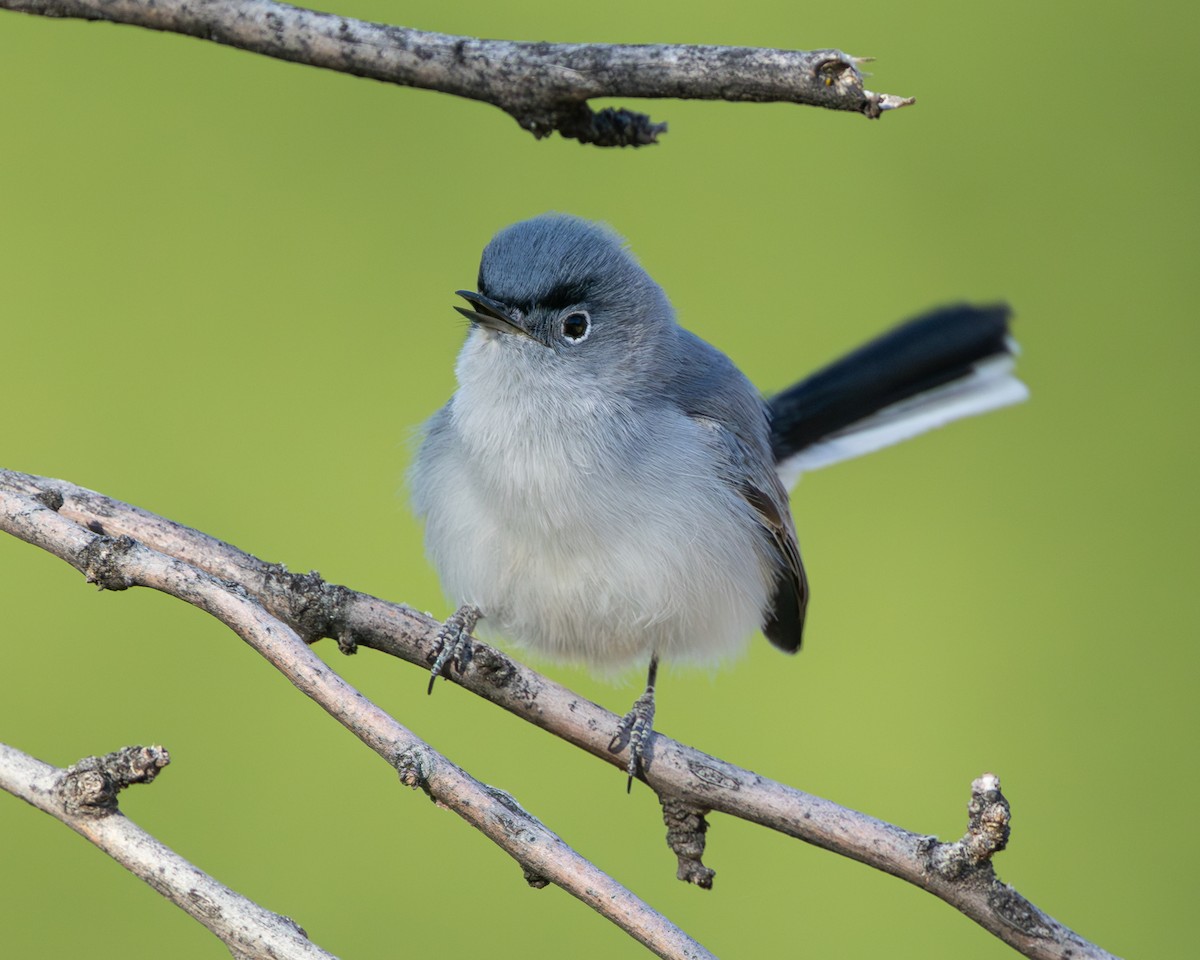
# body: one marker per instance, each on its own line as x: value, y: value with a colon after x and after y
x: 120, y: 561
x: 84, y: 798
x: 544, y: 86
x: 689, y: 782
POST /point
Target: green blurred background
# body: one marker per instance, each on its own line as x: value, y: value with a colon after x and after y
x: 226, y: 287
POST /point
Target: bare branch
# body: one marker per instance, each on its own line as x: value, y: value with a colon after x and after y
x: 690, y: 783
x: 544, y: 86
x: 119, y: 562
x: 84, y: 798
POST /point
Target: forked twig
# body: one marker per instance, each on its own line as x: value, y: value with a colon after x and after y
x: 94, y: 533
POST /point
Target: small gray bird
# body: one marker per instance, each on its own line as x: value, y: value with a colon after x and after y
x: 605, y: 487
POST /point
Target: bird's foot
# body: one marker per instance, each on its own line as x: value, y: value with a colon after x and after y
x: 453, y: 642
x: 636, y: 728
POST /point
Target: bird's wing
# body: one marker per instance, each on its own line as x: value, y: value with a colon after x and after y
x: 755, y: 481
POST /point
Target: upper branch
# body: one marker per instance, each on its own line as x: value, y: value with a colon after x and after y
x: 544, y: 86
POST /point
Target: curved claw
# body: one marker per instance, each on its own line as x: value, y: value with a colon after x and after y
x: 453, y: 642
x: 636, y: 728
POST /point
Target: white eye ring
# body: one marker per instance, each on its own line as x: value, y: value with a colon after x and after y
x: 576, y: 326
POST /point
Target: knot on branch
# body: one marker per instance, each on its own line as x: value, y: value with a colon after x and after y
x: 609, y: 127
x: 102, y: 562
x: 686, y: 834
x: 988, y: 819
x: 493, y: 664
x: 51, y: 498
x: 414, y: 766
x: 535, y: 880
x: 317, y: 609
x: 90, y: 787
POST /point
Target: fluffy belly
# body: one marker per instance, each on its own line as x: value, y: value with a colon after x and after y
x: 597, y: 534
x: 633, y: 567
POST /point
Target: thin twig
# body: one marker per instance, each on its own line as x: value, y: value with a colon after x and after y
x: 690, y: 783
x: 120, y: 562
x: 544, y: 86
x: 84, y: 798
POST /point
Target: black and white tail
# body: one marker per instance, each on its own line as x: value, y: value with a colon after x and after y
x: 954, y: 362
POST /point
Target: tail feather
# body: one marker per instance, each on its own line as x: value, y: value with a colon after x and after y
x: 952, y: 363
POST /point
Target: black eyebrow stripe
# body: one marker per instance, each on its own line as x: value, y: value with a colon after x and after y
x: 566, y: 294
x: 559, y: 297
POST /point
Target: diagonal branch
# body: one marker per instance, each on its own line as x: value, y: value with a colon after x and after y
x: 117, y: 563
x: 84, y: 798
x: 689, y: 783
x: 544, y: 86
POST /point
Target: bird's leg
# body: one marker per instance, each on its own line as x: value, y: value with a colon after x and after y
x: 637, y: 726
x: 453, y: 642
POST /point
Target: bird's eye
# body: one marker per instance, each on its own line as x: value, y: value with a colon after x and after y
x: 576, y: 325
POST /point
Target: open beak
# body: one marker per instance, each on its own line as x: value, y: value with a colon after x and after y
x: 489, y: 313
